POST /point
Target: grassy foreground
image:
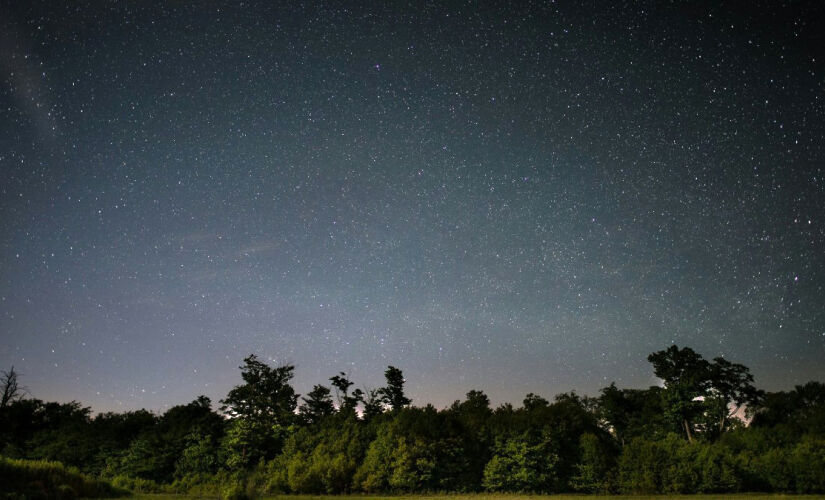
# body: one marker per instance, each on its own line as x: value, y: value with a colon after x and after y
x: 493, y: 496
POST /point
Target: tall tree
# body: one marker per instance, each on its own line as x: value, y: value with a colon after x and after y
x: 686, y: 377
x: 730, y: 388
x: 393, y: 393
x: 262, y: 407
x: 615, y: 410
x: 534, y: 402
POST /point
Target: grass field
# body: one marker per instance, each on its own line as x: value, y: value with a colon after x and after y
x: 737, y: 496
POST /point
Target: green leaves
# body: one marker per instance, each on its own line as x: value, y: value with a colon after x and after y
x: 699, y: 391
x: 260, y: 408
x: 627, y: 440
x: 266, y: 395
x: 523, y: 463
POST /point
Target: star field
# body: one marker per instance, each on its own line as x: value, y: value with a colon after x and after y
x: 516, y: 199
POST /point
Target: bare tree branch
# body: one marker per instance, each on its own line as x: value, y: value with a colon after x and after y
x: 12, y: 390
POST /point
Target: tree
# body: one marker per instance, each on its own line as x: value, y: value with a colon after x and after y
x: 200, y: 456
x: 593, y: 469
x: 262, y: 408
x: 473, y: 412
x: 265, y: 397
x: 731, y: 388
x: 158, y: 452
x: 523, y: 463
x: 244, y: 444
x: 686, y: 377
x: 698, y: 390
x: 317, y: 405
x: 373, y: 403
x: 346, y: 402
x: 615, y: 409
x: 629, y: 413
x: 342, y: 385
x: 414, y: 449
x: 63, y: 434
x: 393, y: 393
x: 534, y: 402
x: 12, y: 391
x: 801, y: 410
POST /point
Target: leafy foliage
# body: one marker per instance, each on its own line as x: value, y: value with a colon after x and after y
x: 44, y: 479
x: 265, y: 397
x: 317, y: 405
x: 523, y: 463
x: 686, y: 437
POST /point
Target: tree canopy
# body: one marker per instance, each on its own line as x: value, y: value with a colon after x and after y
x: 689, y: 436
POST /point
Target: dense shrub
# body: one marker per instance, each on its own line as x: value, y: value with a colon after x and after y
x: 716, y: 469
x: 42, y: 479
x: 595, y: 470
x: 139, y: 485
x: 673, y: 465
x: 523, y: 463
x: 319, y: 459
x: 807, y: 461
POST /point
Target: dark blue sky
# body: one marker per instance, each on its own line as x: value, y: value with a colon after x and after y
x: 516, y: 199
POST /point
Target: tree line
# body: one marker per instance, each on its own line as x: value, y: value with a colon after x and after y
x: 707, y: 430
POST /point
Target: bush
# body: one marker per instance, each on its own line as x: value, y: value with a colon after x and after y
x: 196, y: 485
x: 774, y: 469
x: 66, y: 492
x: 523, y: 463
x: 673, y: 465
x: 717, y: 470
x: 138, y: 485
x: 594, y: 470
x: 641, y: 467
x: 234, y: 491
x: 317, y: 460
x: 41, y: 479
x: 807, y: 461
x: 238, y: 486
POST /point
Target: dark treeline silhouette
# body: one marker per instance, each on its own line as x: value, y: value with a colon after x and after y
x: 689, y: 436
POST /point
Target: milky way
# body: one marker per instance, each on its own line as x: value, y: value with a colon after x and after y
x: 517, y: 200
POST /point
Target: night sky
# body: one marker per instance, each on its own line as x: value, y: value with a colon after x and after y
x: 513, y: 199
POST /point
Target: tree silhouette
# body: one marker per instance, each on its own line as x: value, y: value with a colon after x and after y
x: 346, y: 402
x: 12, y: 391
x: 393, y: 393
x: 686, y: 377
x: 317, y: 405
x: 266, y: 394
x: 373, y: 403
x: 731, y: 388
